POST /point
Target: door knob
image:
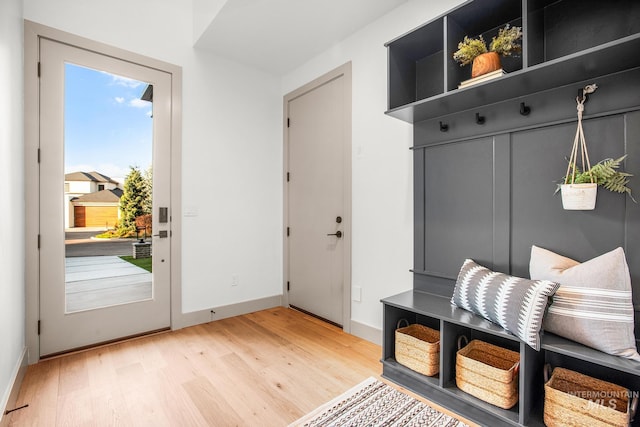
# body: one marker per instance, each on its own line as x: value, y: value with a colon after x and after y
x: 338, y: 234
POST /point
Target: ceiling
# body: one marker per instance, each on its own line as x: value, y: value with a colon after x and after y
x: 279, y: 35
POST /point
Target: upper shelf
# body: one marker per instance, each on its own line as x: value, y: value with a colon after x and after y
x: 565, y: 41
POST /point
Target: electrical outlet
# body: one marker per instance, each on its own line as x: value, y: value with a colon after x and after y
x: 357, y: 294
x: 234, y: 280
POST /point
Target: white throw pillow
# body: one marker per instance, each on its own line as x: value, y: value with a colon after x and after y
x: 593, y: 305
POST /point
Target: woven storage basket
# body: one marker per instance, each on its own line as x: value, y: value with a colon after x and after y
x: 418, y: 348
x: 573, y: 399
x: 488, y: 372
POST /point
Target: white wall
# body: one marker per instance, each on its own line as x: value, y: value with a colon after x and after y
x: 232, y: 162
x: 232, y: 150
x: 12, y: 293
x: 81, y: 187
x: 382, y: 162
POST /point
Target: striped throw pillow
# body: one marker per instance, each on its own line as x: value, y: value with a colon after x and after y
x: 593, y: 305
x: 516, y: 304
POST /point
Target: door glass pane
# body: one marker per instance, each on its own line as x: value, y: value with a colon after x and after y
x: 108, y: 141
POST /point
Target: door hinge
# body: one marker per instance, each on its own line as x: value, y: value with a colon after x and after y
x: 288, y: 286
x: 38, y: 327
x: 288, y: 119
x: 287, y: 231
x: 38, y: 155
x: 38, y: 241
x: 38, y: 69
x: 287, y: 176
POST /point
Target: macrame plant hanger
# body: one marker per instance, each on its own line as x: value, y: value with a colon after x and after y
x: 579, y: 196
x: 579, y: 140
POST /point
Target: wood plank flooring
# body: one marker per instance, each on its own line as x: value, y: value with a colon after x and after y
x: 262, y: 369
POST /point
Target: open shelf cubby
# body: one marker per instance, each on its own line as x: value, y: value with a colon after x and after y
x: 564, y: 41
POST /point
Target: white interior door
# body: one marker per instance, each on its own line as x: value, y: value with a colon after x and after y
x: 62, y: 328
x: 316, y: 201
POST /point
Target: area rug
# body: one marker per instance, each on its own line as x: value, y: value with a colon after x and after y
x: 373, y: 403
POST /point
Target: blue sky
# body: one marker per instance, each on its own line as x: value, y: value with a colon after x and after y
x: 107, y: 126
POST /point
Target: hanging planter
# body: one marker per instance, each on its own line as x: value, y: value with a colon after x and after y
x: 576, y: 196
x: 579, y: 197
x: 580, y: 186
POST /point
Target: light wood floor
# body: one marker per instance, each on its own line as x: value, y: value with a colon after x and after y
x: 262, y: 369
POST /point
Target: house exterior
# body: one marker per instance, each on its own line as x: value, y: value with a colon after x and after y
x: 91, y: 200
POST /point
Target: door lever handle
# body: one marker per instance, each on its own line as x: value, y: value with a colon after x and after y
x: 338, y: 234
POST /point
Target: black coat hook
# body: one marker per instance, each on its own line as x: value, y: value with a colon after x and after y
x: 584, y: 92
x: 444, y: 127
x: 582, y: 97
x: 524, y: 109
x: 479, y: 119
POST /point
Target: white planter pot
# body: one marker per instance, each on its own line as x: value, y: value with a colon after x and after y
x: 579, y: 197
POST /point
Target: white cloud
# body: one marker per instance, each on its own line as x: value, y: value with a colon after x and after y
x: 139, y: 103
x: 123, y: 81
x: 119, y: 99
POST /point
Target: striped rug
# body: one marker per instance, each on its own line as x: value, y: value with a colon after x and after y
x: 373, y: 403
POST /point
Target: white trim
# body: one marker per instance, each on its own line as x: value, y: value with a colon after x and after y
x: 32, y: 34
x: 231, y: 310
x: 11, y: 396
x: 343, y: 70
x: 366, y: 332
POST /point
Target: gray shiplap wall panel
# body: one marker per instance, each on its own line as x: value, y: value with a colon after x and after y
x: 491, y: 198
x: 537, y: 214
x: 502, y: 203
x: 418, y: 210
x: 458, y: 205
x: 632, y: 210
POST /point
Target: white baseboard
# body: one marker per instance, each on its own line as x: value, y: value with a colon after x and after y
x: 9, y: 400
x: 231, y: 310
x: 366, y: 332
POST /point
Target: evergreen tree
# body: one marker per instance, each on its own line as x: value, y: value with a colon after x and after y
x: 132, y: 202
x: 148, y: 181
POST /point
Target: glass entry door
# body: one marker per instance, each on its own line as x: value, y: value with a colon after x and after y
x: 104, y: 198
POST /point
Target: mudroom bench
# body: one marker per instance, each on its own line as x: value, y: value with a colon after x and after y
x: 438, y: 313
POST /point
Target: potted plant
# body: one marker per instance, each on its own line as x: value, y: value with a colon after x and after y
x: 484, y: 60
x: 579, y: 187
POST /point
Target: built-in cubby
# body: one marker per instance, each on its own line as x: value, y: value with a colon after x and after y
x: 479, y: 19
x: 416, y: 65
x: 436, y: 312
x: 564, y: 41
x: 485, y: 190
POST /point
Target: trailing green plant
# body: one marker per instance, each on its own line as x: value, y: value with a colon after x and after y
x: 605, y: 173
x: 505, y: 43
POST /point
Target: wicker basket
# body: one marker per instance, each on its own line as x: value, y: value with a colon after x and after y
x: 488, y: 372
x: 574, y: 399
x: 418, y: 348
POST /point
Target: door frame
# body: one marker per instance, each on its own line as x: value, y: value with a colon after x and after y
x: 33, y: 32
x: 345, y: 72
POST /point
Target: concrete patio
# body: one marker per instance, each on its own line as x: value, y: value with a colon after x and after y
x: 101, y: 281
